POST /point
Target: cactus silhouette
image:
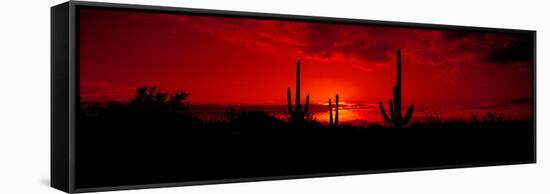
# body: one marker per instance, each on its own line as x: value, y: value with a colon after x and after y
x: 298, y: 114
x: 396, y: 118
x: 336, y: 113
x: 331, y: 122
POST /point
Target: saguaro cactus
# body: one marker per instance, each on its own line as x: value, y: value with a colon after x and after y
x: 333, y: 123
x: 336, y: 112
x: 298, y: 114
x: 396, y: 118
x: 330, y: 122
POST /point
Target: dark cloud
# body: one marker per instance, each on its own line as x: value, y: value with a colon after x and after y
x: 455, y: 35
x: 513, y: 102
x: 518, y: 50
x: 325, y: 41
x: 491, y: 48
x: 525, y: 100
x: 321, y: 40
x: 374, y: 52
x: 465, y: 41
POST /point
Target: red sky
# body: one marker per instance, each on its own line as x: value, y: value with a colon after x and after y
x: 251, y: 61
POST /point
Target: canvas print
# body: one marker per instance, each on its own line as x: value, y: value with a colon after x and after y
x: 175, y: 97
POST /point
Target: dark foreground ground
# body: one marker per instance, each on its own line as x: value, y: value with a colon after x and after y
x: 116, y: 146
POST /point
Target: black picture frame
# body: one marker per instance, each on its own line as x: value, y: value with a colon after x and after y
x: 65, y: 82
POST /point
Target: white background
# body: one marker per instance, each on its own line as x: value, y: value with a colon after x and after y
x: 25, y: 96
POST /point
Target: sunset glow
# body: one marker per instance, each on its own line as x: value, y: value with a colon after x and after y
x: 246, y: 61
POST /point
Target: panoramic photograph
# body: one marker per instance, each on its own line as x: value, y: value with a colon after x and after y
x: 166, y: 97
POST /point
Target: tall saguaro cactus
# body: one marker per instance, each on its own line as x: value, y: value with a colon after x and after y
x: 396, y: 118
x: 330, y: 122
x: 298, y: 114
x: 333, y: 123
x: 336, y: 112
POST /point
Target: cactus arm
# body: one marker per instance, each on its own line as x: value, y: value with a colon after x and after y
x: 408, y: 115
x: 392, y: 112
x: 306, y: 106
x: 384, y: 115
